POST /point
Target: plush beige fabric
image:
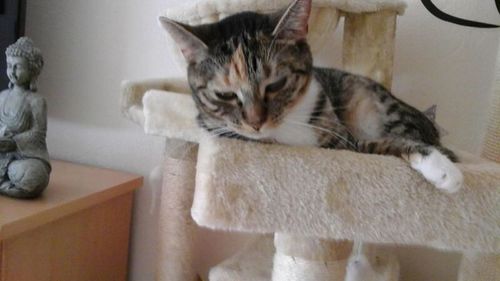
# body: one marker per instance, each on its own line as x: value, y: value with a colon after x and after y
x: 133, y: 92
x: 209, y: 10
x: 371, y: 192
x: 266, y: 188
x: 307, y: 191
x: 171, y: 114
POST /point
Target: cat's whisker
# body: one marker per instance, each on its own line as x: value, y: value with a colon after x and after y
x: 216, y: 135
x: 333, y: 122
x: 308, y: 113
x: 223, y: 132
x: 329, y: 120
x: 328, y: 131
x: 319, y: 118
x: 219, y: 132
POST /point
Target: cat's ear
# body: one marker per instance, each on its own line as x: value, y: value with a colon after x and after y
x: 293, y: 21
x: 193, y: 49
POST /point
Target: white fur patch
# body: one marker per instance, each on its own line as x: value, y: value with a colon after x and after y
x: 295, y: 129
x: 370, y: 124
x: 438, y: 170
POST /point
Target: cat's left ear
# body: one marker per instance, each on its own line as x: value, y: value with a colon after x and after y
x: 193, y: 49
x: 293, y: 22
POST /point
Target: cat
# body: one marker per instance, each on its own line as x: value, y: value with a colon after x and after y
x: 252, y: 77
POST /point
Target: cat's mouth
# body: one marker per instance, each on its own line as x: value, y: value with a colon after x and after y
x: 252, y: 135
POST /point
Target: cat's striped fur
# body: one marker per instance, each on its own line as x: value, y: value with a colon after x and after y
x: 356, y: 101
x: 252, y: 78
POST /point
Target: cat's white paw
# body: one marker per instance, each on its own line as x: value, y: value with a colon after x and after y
x: 438, y: 170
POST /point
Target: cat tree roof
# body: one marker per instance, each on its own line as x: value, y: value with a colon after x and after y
x: 210, y: 10
x: 325, y: 15
x: 309, y: 191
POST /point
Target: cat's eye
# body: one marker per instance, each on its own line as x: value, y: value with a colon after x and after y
x: 226, y: 96
x: 276, y: 86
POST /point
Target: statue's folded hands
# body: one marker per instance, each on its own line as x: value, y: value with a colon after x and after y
x: 7, y: 144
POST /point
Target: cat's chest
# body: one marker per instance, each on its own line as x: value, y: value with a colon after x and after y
x: 295, y: 128
x: 295, y: 135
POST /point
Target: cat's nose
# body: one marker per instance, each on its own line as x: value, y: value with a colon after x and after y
x: 255, y: 117
x: 256, y: 126
x: 256, y: 123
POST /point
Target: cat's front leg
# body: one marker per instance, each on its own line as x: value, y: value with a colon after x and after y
x: 437, y: 169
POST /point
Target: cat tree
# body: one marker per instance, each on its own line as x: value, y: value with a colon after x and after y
x: 307, y: 199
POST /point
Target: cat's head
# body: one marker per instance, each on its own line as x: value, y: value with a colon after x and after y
x: 247, y: 70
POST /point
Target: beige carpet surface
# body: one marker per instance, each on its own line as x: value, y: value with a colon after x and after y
x: 307, y: 191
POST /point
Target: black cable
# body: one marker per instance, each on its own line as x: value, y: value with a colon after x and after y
x: 456, y: 20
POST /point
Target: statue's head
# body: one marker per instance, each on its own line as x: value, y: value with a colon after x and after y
x: 24, y: 63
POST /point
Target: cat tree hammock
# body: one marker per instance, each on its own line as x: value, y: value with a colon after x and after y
x: 307, y: 198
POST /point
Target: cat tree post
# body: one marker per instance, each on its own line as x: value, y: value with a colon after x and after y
x: 176, y: 228
x: 307, y: 258
x: 176, y: 254
x: 491, y: 146
x: 369, y: 45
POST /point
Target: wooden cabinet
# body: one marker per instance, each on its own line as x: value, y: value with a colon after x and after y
x: 78, y: 230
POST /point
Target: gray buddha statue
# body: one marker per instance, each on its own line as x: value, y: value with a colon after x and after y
x: 24, y: 160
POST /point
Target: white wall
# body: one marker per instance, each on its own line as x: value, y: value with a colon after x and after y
x: 91, y: 45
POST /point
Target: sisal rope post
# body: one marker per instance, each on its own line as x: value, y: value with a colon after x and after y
x: 177, y: 230
x: 309, y: 259
x: 491, y: 146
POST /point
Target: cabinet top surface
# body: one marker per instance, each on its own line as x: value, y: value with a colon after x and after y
x: 72, y: 188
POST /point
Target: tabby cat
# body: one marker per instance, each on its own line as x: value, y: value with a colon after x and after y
x: 252, y: 77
